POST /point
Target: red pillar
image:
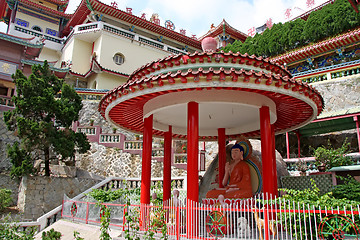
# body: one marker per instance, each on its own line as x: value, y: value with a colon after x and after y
x: 287, y: 146
x: 192, y: 168
x: 266, y: 150
x: 167, y: 165
x: 221, y: 154
x: 298, y: 138
x: 146, y: 161
x: 356, y: 119
x: 274, y: 160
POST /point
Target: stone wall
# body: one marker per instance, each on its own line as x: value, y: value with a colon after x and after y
x: 39, y: 195
x: 6, y: 137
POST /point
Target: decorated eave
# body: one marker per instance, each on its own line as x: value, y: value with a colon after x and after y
x: 97, y: 68
x: 328, y: 45
x: 306, y: 15
x: 59, y: 72
x: 46, y: 10
x: 296, y: 103
x: 228, y: 30
x: 354, y: 4
x: 82, y: 12
x: 32, y: 50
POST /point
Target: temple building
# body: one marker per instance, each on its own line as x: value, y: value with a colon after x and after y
x: 99, y: 46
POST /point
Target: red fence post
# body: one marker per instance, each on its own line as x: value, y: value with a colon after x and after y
x: 87, y: 212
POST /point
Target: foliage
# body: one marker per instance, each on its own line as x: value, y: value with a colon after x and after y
x: 349, y: 190
x: 301, y: 165
x: 105, y: 223
x: 110, y: 195
x: 42, y: 119
x: 331, y: 20
x: 51, y: 235
x: 308, y: 199
x: 77, y: 236
x: 5, y: 198
x: 132, y: 224
x: 12, y: 231
x: 20, y: 160
x: 331, y: 157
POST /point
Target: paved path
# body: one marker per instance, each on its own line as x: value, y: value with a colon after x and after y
x: 87, y: 231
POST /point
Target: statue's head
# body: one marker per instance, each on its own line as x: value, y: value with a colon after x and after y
x: 237, y: 152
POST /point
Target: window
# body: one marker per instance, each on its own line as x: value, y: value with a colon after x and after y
x: 37, y: 28
x: 118, y: 58
x: 21, y: 22
x: 51, y: 32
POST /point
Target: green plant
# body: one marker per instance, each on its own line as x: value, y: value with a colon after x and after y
x: 110, y: 195
x: 20, y: 160
x: 5, y: 198
x: 12, y: 231
x: 332, y: 157
x: 301, y: 165
x: 349, y: 190
x: 43, y: 118
x: 77, y: 236
x: 132, y: 224
x: 51, y: 235
x: 105, y: 222
x: 308, y: 199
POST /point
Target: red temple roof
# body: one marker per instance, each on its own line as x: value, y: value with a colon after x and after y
x: 296, y: 103
x: 216, y: 31
x: 46, y: 9
x: 82, y: 12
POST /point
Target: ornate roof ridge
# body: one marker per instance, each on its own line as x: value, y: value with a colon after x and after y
x: 178, y: 59
x: 219, y: 28
x: 91, y: 70
x: 20, y: 40
x: 49, y: 10
x: 82, y: 12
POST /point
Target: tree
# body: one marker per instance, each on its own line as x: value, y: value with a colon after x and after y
x: 42, y: 117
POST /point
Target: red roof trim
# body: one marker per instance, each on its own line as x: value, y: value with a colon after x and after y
x: 228, y: 29
x: 82, y: 11
x: 48, y: 10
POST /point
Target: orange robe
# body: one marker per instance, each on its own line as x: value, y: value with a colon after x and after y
x: 240, y: 176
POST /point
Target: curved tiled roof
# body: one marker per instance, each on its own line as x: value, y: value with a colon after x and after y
x: 95, y: 63
x: 46, y: 9
x: 82, y: 12
x: 228, y: 29
x: 294, y: 100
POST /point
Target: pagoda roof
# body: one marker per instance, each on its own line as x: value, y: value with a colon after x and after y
x: 45, y: 9
x: 83, y: 11
x: 31, y: 49
x: 96, y: 67
x: 59, y: 72
x: 216, y: 31
x: 224, y: 83
x: 330, y: 44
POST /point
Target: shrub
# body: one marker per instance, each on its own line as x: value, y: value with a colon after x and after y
x: 349, y: 190
x: 51, y: 235
x: 5, y: 198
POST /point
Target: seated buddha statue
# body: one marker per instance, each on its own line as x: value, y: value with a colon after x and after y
x: 237, y: 179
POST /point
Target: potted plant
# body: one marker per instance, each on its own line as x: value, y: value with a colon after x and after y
x: 328, y: 157
x: 114, y: 130
x: 302, y: 166
x: 137, y: 136
x: 91, y: 122
x: 183, y: 148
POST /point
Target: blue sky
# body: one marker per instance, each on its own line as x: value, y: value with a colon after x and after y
x: 196, y: 16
